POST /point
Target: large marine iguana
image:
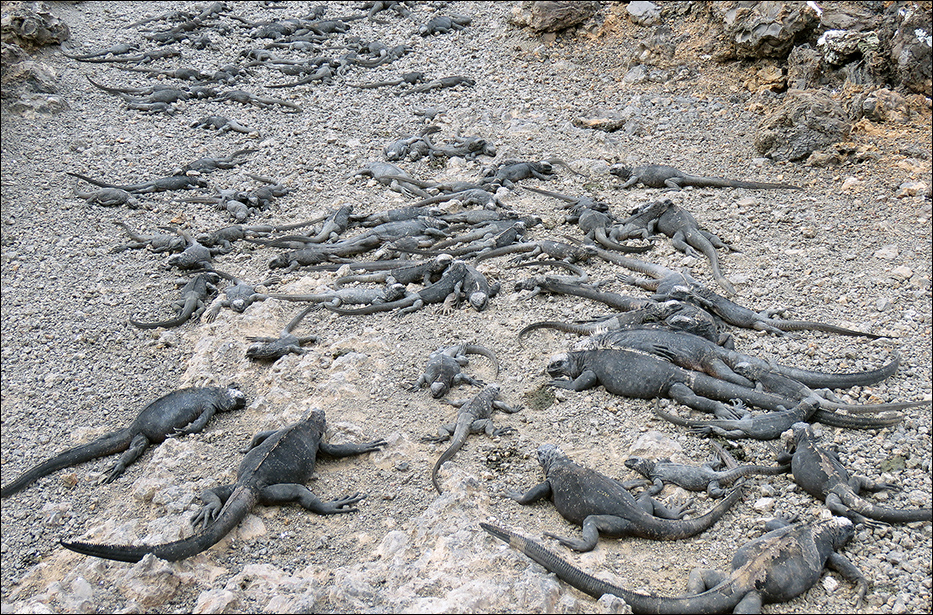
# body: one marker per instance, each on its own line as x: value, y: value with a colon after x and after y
x: 274, y: 471
x: 779, y: 566
x: 180, y: 412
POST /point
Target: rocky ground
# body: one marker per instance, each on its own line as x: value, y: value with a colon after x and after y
x: 852, y: 248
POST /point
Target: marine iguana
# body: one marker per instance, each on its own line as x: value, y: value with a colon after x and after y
x: 707, y: 477
x: 641, y: 375
x: 442, y: 24
x: 820, y: 473
x: 109, y: 197
x: 350, y: 296
x: 446, y: 290
x: 273, y: 348
x: 663, y: 176
x: 778, y: 567
x: 407, y: 273
x: 239, y: 295
x: 602, y: 505
x: 160, y: 242
x: 184, y: 411
x: 443, y: 369
x: 673, y: 315
x: 473, y: 416
x: 274, y: 471
x: 700, y: 354
x: 161, y: 184
x: 668, y: 284
x: 192, y: 303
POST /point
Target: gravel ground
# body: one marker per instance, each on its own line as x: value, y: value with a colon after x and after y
x: 845, y: 250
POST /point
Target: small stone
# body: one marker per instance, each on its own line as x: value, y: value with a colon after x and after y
x: 887, y: 253
x: 830, y: 584
x: 902, y: 272
x: 764, y: 504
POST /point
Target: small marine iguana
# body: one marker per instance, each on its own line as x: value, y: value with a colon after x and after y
x: 474, y: 415
x: 274, y: 348
x: 387, y: 174
x: 442, y: 24
x: 820, y: 473
x: 184, y: 411
x: 162, y: 184
x: 444, y: 368
x: 142, y: 58
x: 683, y: 229
x: 778, y: 567
x: 239, y: 295
x: 161, y: 242
x: 109, y: 197
x: 602, y: 505
x: 420, y: 272
x: 438, y: 84
x: 409, y: 78
x: 194, y: 256
x: 700, y: 354
x: 192, y: 303
x: 210, y: 164
x: 668, y: 284
x: 117, y: 50
x: 247, y: 98
x: 350, y: 296
x: 220, y: 124
x: 707, y: 477
x: 674, y: 315
x: 640, y: 375
x: 663, y: 176
x: 274, y: 471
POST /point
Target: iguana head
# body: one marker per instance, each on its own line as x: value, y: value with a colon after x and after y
x: 563, y: 364
x: 233, y: 399
x: 621, y: 171
x: 316, y: 419
x: 640, y: 464
x: 547, y: 455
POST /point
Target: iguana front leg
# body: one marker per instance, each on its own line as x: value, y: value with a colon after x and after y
x: 139, y: 444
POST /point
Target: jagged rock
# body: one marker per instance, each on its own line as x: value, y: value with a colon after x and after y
x: 912, y: 51
x: 804, y: 68
x: 552, y: 16
x: 842, y: 46
x: 885, y: 106
x: 849, y: 16
x: 30, y: 24
x: 807, y: 121
x: 643, y: 13
x: 763, y: 29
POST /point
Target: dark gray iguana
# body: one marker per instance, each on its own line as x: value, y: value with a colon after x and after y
x: 778, y: 567
x: 274, y: 471
x: 679, y: 224
x: 641, y: 375
x: 184, y: 411
x: 443, y: 369
x: 473, y: 416
x: 668, y: 284
x: 820, y: 473
x: 272, y: 348
x: 700, y: 354
x: 707, y: 477
x: 192, y: 303
x: 602, y: 505
x: 663, y: 176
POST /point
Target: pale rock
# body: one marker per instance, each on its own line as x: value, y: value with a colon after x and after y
x: 151, y: 582
x: 887, y: 253
x: 902, y: 272
x: 217, y: 601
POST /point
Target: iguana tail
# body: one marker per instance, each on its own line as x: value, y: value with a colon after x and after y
x: 805, y: 325
x: 887, y: 515
x: 656, y: 528
x: 461, y: 431
x: 823, y: 380
x: 720, y: 599
x: 238, y: 505
x: 191, y: 304
x: 482, y: 351
x: 114, y: 442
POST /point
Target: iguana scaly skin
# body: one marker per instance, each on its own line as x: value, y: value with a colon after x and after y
x: 779, y: 566
x: 181, y: 412
x: 602, y: 505
x: 273, y: 472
